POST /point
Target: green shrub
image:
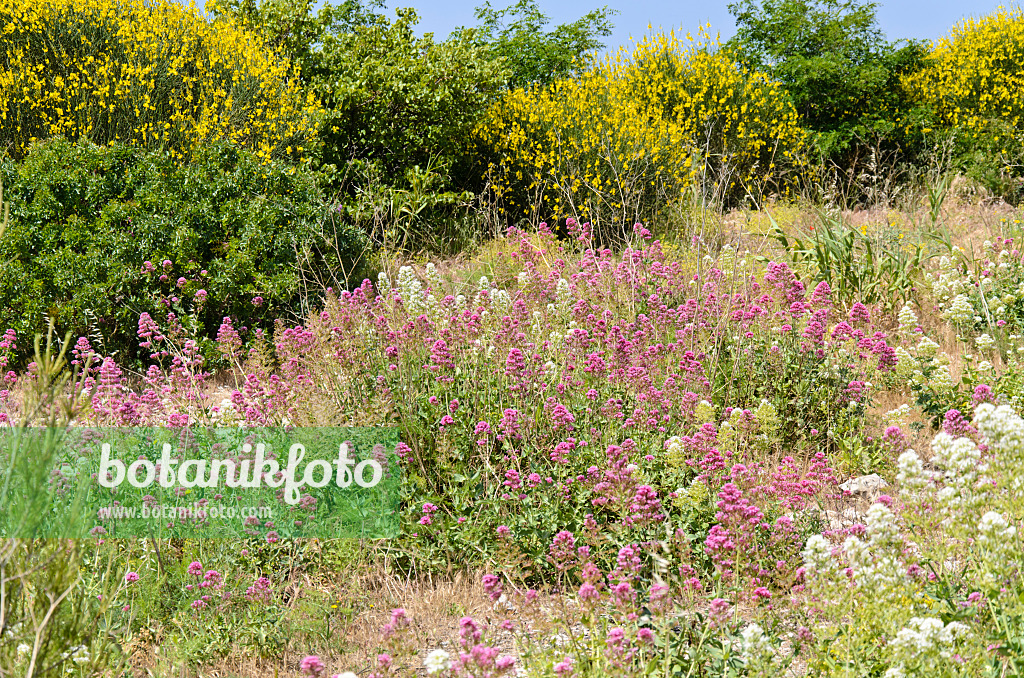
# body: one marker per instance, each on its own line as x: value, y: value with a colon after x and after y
x: 86, y: 219
x: 844, y: 78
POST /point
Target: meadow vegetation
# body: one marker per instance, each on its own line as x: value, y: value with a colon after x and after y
x: 706, y: 359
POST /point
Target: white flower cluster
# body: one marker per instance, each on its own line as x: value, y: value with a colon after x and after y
x: 768, y: 420
x: 959, y: 457
x: 941, y: 379
x: 984, y: 342
x: 905, y: 366
x: 966, y: 504
x: 728, y: 431
x: 675, y: 453
x: 755, y: 647
x: 995, y: 291
x: 897, y: 417
x: 969, y: 484
x: 501, y: 301
x: 563, y: 296
x: 949, y: 281
x: 907, y: 317
x: 960, y: 311
x: 926, y: 348
x: 872, y: 561
x: 383, y: 285
x: 434, y: 279
x: 79, y: 654
x: 911, y: 475
x: 926, y: 644
x: 1002, y: 428
x: 817, y: 555
x: 437, y: 661
x: 993, y: 530
x: 704, y: 413
x: 874, y: 564
x: 411, y: 290
x: 955, y: 484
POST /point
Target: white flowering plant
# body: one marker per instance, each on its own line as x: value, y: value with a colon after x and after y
x: 931, y: 584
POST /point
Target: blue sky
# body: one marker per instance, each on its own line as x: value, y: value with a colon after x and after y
x: 924, y: 19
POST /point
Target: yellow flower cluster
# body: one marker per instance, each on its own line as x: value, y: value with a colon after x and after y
x: 637, y: 130
x: 975, y: 75
x: 145, y: 72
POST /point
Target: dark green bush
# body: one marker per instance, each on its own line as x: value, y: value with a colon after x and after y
x: 86, y: 219
x: 844, y: 78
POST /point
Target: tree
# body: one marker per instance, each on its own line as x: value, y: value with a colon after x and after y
x: 844, y: 77
x: 516, y: 35
x: 390, y: 96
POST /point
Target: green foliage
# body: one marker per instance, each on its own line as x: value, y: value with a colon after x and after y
x: 857, y: 266
x: 399, y: 107
x: 534, y: 56
x: 398, y: 99
x: 86, y: 219
x: 843, y: 76
x: 392, y: 97
x: 993, y: 156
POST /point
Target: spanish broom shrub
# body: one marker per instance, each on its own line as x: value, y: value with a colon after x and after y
x: 974, y: 78
x: 154, y: 74
x: 637, y: 130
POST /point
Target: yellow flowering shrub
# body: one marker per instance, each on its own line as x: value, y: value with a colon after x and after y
x: 975, y: 75
x: 637, y: 130
x: 145, y: 72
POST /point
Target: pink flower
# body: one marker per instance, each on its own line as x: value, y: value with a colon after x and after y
x: 131, y: 577
x: 492, y: 586
x: 561, y: 553
x: 588, y: 592
x: 312, y: 666
x: 719, y: 611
